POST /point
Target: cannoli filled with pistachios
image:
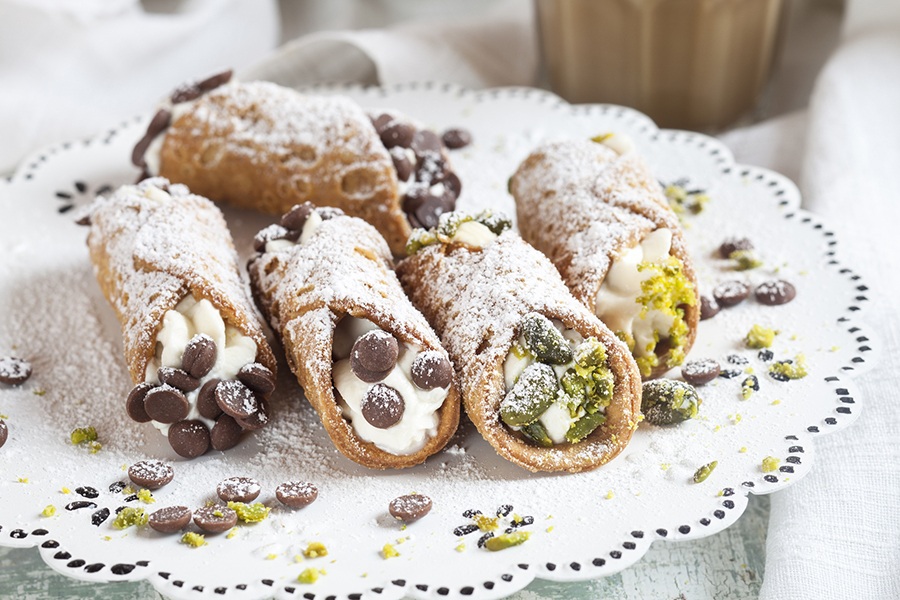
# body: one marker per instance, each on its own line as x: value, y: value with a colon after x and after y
x: 596, y: 211
x: 368, y: 361
x: 262, y: 146
x: 543, y: 380
x: 195, y: 348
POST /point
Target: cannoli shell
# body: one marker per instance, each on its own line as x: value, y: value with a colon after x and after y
x: 261, y: 146
x: 475, y: 298
x: 582, y: 204
x: 151, y: 250
x: 345, y: 268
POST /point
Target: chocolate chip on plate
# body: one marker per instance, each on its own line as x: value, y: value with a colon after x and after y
x: 773, y: 293
x: 14, y: 371
x: 456, y: 137
x: 134, y: 404
x: 178, y: 378
x: 199, y: 356
x: 238, y: 489
x: 170, y: 519
x: 708, y: 308
x: 397, y: 134
x: 206, y: 400
x: 189, y: 439
x: 374, y: 351
x: 257, y: 377
x: 431, y: 370
x: 410, y: 508
x: 236, y: 399
x: 166, y: 404
x: 4, y: 433
x: 733, y: 244
x: 215, y: 519
x: 225, y: 434
x: 296, y: 218
x: 426, y: 141
x: 700, y: 371
x: 731, y: 293
x: 151, y: 474
x: 382, y: 406
x: 257, y: 420
x: 296, y: 494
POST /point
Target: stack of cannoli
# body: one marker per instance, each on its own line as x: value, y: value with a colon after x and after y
x: 195, y: 349
x: 543, y: 380
x: 596, y: 211
x: 368, y: 361
x: 261, y: 146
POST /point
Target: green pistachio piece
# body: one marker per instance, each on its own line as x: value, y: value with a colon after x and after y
x: 584, y: 427
x: 532, y: 394
x: 667, y: 401
x: 703, y: 472
x: 537, y: 434
x: 545, y: 340
x: 507, y: 540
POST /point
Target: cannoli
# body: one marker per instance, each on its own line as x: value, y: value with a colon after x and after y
x: 543, y: 380
x: 261, y: 146
x: 193, y: 344
x: 599, y: 215
x: 368, y: 361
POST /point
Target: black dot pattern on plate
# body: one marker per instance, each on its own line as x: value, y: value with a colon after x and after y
x: 629, y: 545
x: 684, y: 529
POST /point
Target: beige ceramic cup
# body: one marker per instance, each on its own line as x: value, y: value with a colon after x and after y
x: 691, y: 64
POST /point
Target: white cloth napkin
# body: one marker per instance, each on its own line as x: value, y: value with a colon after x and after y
x: 69, y: 69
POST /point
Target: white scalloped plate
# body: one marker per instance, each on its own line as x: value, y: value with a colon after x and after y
x: 584, y: 526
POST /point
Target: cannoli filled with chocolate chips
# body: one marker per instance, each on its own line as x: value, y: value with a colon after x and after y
x: 261, y: 146
x: 596, y: 211
x: 543, y: 380
x: 368, y: 361
x: 194, y: 346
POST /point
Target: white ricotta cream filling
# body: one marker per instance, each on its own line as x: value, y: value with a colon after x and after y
x: 187, y: 319
x: 619, y: 142
x: 557, y: 419
x: 153, y: 154
x: 419, y: 422
x: 616, y: 303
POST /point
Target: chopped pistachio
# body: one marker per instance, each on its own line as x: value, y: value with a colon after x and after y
x: 776, y: 402
x: 48, y: 511
x: 146, y: 497
x: 81, y: 435
x: 669, y: 401
x: 786, y: 369
x: 745, y: 260
x: 65, y: 490
x: 486, y: 523
x: 769, y: 464
x: 530, y: 397
x: 308, y: 576
x: 507, y: 540
x: 685, y: 201
x: 23, y: 480
x: 667, y: 290
x: 544, y: 340
x: 39, y: 391
x: 748, y: 386
x: 760, y: 337
x: 195, y: 540
x: 388, y: 551
x: 743, y: 449
x: 448, y: 225
x: 315, y: 550
x: 703, y: 472
x: 550, y: 529
x: 250, y: 513
x: 130, y: 516
x: 610, y: 495
x: 272, y: 556
x: 231, y: 533
x: 460, y: 547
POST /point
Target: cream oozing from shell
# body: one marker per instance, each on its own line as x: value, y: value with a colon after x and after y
x: 153, y: 154
x: 189, y: 318
x: 616, y: 303
x: 419, y: 421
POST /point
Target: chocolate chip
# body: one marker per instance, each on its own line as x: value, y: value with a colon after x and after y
x: 206, y: 400
x: 295, y: 219
x: 397, y: 134
x: 185, y: 93
x: 700, y: 371
x: 170, y: 519
x: 773, y: 293
x: 730, y: 293
x: 272, y: 232
x: 215, y: 519
x: 296, y: 494
x: 382, y: 406
x: 225, y: 434
x: 134, y: 404
x: 428, y: 213
x: 199, y: 356
x: 236, y: 399
x: 456, y: 138
x: 151, y: 474
x: 381, y: 121
x: 238, y: 489
x: 374, y: 351
x: 189, y: 439
x: 708, y: 308
x: 426, y: 141
x: 4, y: 433
x: 431, y: 168
x: 431, y: 370
x: 14, y: 371
x: 258, y: 378
x: 178, y: 378
x: 410, y: 508
x: 733, y: 244
x: 166, y: 404
x: 214, y: 81
x: 402, y: 164
x: 257, y: 420
x: 158, y: 124
x: 452, y: 184
x: 84, y: 220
